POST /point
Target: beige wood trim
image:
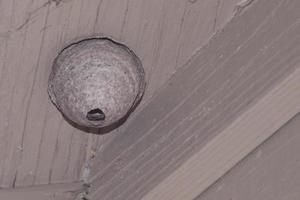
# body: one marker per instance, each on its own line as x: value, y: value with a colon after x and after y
x: 236, y: 141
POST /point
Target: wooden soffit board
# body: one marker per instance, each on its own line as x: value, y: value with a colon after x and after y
x: 270, y: 172
x: 37, y: 146
x: 67, y: 191
x: 234, y: 94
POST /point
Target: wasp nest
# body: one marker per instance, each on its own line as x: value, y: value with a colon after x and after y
x: 96, y: 82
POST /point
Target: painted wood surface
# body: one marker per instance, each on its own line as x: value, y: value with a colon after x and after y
x: 233, y: 144
x: 269, y: 172
x: 37, y: 146
x: 69, y: 191
x: 255, y: 52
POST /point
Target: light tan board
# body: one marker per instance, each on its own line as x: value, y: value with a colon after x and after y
x: 270, y: 172
x: 37, y: 146
x: 252, y: 55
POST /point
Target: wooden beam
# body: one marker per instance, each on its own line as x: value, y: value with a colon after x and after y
x: 255, y: 53
x: 233, y: 143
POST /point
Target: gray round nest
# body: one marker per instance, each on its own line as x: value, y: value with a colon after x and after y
x: 96, y: 82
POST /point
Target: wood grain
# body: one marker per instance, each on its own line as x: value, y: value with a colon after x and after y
x: 43, y: 192
x: 255, y: 52
x: 37, y: 146
x: 269, y: 172
x: 234, y: 143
